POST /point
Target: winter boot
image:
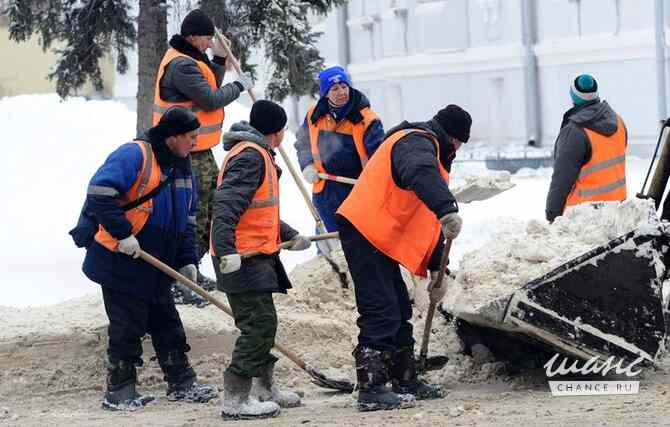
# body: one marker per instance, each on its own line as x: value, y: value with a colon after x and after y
x: 264, y: 389
x: 121, y: 394
x: 372, y: 375
x: 405, y: 380
x: 236, y: 402
x: 182, y: 381
x: 206, y: 283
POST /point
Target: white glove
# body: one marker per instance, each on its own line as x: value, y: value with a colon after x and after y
x: 218, y: 48
x: 310, y: 174
x: 129, y: 246
x: 300, y: 243
x: 451, y: 225
x: 245, y: 80
x: 230, y: 263
x: 434, y: 293
x: 190, y: 271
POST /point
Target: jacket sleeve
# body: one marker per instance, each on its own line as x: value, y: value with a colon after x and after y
x: 244, y: 174
x: 219, y: 66
x: 186, y: 77
x: 415, y: 168
x: 374, y: 136
x: 571, y: 152
x: 302, y: 145
x: 111, y: 181
x: 286, y: 232
x: 188, y: 247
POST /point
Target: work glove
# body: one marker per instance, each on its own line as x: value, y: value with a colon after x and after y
x: 129, y: 246
x: 451, y: 225
x: 300, y: 243
x: 230, y: 263
x: 190, y: 271
x: 310, y: 174
x: 245, y: 81
x: 436, y: 294
x: 218, y: 48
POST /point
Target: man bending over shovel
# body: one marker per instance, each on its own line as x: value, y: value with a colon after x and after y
x: 393, y: 217
x: 155, y: 170
x: 246, y: 219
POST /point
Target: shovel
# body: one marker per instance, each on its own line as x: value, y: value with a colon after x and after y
x: 436, y: 362
x: 318, y: 378
x: 466, y: 194
x: 326, y: 248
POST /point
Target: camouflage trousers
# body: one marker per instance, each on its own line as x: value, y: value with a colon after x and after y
x: 256, y: 318
x: 206, y: 172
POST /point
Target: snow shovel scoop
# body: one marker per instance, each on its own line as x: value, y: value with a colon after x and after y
x: 436, y: 362
x: 321, y: 229
x: 318, y: 377
x: 470, y: 192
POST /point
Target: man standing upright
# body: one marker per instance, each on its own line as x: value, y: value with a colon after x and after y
x: 590, y: 152
x: 393, y: 217
x: 187, y: 77
x: 338, y: 136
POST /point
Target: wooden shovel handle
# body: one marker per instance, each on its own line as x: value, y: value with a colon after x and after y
x: 198, y: 290
x: 431, y: 308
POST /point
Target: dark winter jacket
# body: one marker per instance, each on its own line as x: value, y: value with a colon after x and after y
x: 343, y: 160
x: 243, y: 176
x: 183, y: 80
x: 573, y: 149
x: 415, y: 168
x: 169, y: 233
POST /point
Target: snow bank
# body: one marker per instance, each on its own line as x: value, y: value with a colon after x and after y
x: 523, y: 251
x: 52, y: 148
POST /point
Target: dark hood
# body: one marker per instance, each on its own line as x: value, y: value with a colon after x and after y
x: 595, y: 115
x: 447, y: 152
x: 243, y: 131
x: 352, y: 110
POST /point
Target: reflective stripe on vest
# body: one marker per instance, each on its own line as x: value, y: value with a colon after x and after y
x: 603, y: 177
x: 149, y: 178
x: 211, y: 122
x: 326, y: 123
x: 392, y: 219
x: 258, y: 228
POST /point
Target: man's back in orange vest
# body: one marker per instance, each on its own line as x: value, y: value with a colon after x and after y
x: 588, y: 119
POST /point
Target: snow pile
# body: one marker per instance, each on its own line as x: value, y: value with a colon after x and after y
x: 525, y: 251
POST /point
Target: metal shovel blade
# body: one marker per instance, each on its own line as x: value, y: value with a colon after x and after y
x: 321, y: 380
x: 475, y: 193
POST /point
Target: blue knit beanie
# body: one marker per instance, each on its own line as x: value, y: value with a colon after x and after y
x: 331, y: 76
x: 584, y: 88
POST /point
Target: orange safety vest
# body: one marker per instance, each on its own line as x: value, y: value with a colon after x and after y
x: 209, y: 133
x: 258, y: 229
x: 148, y: 179
x: 326, y: 123
x: 603, y: 178
x: 392, y: 219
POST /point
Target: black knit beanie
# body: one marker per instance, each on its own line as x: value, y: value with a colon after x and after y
x: 197, y: 23
x: 455, y: 121
x: 267, y: 117
x: 176, y: 121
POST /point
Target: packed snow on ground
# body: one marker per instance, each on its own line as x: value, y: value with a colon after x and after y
x: 53, y: 147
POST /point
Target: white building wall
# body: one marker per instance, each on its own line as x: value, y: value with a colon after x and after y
x: 412, y: 57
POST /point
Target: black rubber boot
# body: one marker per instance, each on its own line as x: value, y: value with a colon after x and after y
x: 405, y: 380
x: 121, y: 394
x: 182, y: 381
x: 372, y: 374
